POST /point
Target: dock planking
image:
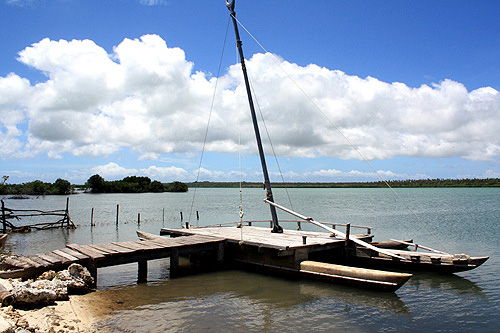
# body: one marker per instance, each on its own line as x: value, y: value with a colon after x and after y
x: 103, y: 255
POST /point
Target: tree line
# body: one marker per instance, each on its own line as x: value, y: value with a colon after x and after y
x: 95, y: 184
x: 132, y: 184
x: 486, y: 182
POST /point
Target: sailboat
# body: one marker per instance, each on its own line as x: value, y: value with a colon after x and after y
x: 316, y: 254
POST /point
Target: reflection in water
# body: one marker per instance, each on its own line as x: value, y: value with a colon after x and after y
x: 457, y: 284
x: 229, y: 300
x: 241, y: 301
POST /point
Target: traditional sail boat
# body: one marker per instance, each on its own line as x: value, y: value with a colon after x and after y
x: 317, y: 254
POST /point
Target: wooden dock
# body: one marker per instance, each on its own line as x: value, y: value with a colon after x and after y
x: 251, y: 245
x: 230, y: 246
x: 117, y: 253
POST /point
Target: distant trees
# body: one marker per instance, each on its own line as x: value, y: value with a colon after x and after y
x: 132, y: 184
x: 37, y: 187
x: 96, y: 184
x: 475, y: 182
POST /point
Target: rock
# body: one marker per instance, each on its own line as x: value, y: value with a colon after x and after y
x: 50, y: 286
x: 5, y: 326
x: 76, y: 278
x: 49, y: 275
x: 28, y: 292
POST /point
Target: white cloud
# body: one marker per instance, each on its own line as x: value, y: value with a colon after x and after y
x: 153, y: 2
x: 165, y: 174
x: 113, y: 171
x: 145, y: 96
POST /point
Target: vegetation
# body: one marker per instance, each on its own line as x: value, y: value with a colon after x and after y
x: 132, y: 184
x: 488, y: 182
x: 95, y: 184
x: 37, y: 187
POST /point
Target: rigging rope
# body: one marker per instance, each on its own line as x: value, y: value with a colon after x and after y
x: 208, y: 122
x: 343, y: 135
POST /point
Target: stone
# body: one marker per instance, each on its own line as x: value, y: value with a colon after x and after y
x: 49, y: 275
x: 5, y: 326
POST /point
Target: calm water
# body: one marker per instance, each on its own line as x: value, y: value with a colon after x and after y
x: 463, y: 220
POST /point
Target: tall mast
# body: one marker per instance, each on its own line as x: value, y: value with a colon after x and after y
x: 276, y: 227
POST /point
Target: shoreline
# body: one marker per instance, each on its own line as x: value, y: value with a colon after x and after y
x: 78, y: 314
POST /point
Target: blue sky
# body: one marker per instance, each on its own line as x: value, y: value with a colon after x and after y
x: 125, y: 87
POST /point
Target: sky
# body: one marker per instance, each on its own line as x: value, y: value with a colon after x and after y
x: 120, y: 88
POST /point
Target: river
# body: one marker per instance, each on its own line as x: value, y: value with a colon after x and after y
x: 460, y: 220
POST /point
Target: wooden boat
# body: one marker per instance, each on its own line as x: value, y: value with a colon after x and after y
x: 431, y: 260
x: 306, y: 253
x: 392, y: 244
x: 241, y: 254
x: 388, y: 252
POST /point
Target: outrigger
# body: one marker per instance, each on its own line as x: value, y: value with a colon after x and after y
x: 315, y: 254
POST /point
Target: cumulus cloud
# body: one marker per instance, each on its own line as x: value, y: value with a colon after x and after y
x: 113, y: 171
x: 145, y: 96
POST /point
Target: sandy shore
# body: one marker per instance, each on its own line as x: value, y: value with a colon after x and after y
x: 78, y: 314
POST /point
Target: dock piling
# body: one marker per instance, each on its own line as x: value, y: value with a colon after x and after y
x: 117, y: 213
x: 142, y: 274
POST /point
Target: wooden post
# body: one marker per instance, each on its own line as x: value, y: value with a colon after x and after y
x: 174, y: 262
x: 142, y: 274
x: 138, y: 218
x: 163, y: 216
x: 220, y: 253
x: 304, y: 240
x: 347, y: 233
x: 66, y: 214
x: 117, y: 213
x: 92, y: 217
x: 4, y: 222
x: 181, y: 217
x: 197, y: 215
x: 187, y: 225
x: 92, y: 267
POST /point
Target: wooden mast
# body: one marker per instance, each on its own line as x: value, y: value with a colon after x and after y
x: 269, y: 196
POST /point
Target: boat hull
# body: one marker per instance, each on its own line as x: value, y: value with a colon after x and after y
x: 417, y: 261
x: 354, y: 276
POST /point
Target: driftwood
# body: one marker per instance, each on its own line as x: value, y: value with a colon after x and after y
x: 18, y: 214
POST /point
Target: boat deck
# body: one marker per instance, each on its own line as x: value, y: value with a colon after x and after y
x: 262, y: 237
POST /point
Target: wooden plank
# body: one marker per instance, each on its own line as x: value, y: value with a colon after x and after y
x: 16, y: 262
x: 103, y: 249
x: 31, y: 262
x: 150, y: 245
x: 39, y: 260
x: 55, y: 260
x: 163, y: 244
x: 92, y: 253
x: 64, y: 260
x: 115, y: 248
x: 74, y: 253
x: 128, y: 245
x: 65, y: 255
x: 137, y: 246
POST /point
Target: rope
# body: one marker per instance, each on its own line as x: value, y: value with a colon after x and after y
x: 208, y: 122
x: 343, y: 135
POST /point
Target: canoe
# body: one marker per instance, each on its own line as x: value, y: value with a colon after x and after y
x: 354, y: 276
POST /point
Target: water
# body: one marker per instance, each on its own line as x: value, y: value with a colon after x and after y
x: 463, y: 220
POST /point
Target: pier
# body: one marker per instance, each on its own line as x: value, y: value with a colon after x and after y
x: 292, y: 252
x: 117, y: 253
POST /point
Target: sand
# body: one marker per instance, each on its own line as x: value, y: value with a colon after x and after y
x: 78, y: 314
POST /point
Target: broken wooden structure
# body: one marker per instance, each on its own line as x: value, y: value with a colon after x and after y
x: 9, y: 214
